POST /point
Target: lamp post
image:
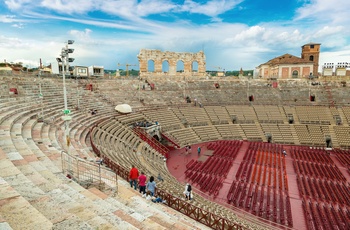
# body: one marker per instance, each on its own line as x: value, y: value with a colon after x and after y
x: 65, y: 59
x: 41, y: 117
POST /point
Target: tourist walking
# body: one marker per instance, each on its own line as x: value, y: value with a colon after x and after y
x: 133, y: 176
x: 151, y: 186
x: 188, y: 191
x: 142, y: 183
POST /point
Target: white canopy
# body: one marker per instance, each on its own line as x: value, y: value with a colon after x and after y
x: 123, y: 108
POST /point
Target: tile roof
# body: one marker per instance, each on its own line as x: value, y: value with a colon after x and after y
x: 287, y: 59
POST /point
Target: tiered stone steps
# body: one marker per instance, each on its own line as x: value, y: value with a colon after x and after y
x: 36, y: 195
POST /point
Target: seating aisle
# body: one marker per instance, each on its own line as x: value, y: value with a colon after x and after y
x: 233, y: 171
x: 296, y: 202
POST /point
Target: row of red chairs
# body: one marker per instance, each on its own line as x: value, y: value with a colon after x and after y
x: 212, y: 185
x: 193, y: 167
x: 217, y: 166
x: 207, y: 182
x: 190, y: 163
x: 318, y: 170
x: 324, y: 190
x: 214, y: 145
x: 270, y: 159
x: 320, y: 215
x: 250, y: 155
x: 244, y: 171
x: 226, y: 148
x: 269, y: 147
x: 311, y: 155
x: 229, y: 152
x: 267, y: 169
x: 344, y: 157
x: 261, y: 201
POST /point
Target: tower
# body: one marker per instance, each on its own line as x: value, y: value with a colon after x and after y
x: 311, y: 52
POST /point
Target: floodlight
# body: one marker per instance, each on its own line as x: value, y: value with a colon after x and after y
x: 70, y: 51
x: 59, y: 59
x: 71, y: 59
x: 70, y: 42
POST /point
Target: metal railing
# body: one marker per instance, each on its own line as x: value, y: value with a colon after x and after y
x: 89, y: 174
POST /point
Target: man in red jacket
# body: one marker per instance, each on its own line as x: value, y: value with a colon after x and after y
x: 133, y: 176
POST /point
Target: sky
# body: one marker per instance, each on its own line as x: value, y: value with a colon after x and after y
x: 233, y: 34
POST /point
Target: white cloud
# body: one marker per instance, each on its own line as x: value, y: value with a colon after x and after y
x: 294, y: 37
x: 254, y: 32
x: 149, y: 7
x: 69, y: 6
x: 130, y: 9
x: 229, y: 45
x: 83, y: 35
x: 325, y: 11
x: 211, y: 8
x: 8, y: 42
x: 9, y: 19
x: 18, y: 25
x: 328, y: 31
x: 335, y: 56
x: 16, y: 4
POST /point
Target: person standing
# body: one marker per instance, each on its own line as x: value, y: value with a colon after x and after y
x: 142, y: 183
x: 151, y: 186
x: 188, y: 191
x: 133, y: 176
x: 186, y: 149
x: 199, y: 150
x: 160, y: 178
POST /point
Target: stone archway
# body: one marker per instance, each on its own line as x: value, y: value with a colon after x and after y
x: 172, y: 58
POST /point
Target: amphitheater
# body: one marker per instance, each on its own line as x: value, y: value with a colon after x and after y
x: 48, y: 181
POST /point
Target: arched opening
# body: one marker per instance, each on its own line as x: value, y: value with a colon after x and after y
x: 311, y: 58
x: 295, y: 74
x: 195, y: 66
x: 150, y: 66
x: 165, y: 66
x: 180, y: 66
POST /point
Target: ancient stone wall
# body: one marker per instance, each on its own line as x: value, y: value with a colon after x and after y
x: 158, y: 57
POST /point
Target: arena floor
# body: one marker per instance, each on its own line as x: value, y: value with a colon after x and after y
x: 178, y: 159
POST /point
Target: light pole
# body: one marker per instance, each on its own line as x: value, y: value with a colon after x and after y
x: 41, y: 117
x: 65, y: 59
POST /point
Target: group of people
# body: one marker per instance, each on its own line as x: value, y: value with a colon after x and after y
x: 145, y: 124
x: 188, y: 149
x: 139, y: 181
x: 148, y: 189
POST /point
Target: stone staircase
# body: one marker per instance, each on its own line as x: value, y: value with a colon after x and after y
x: 35, y: 194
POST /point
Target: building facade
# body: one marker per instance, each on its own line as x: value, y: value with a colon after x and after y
x: 81, y: 71
x: 288, y: 66
x: 172, y: 59
x: 311, y: 52
x: 96, y: 71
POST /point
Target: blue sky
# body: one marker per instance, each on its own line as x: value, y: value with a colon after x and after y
x: 232, y: 33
